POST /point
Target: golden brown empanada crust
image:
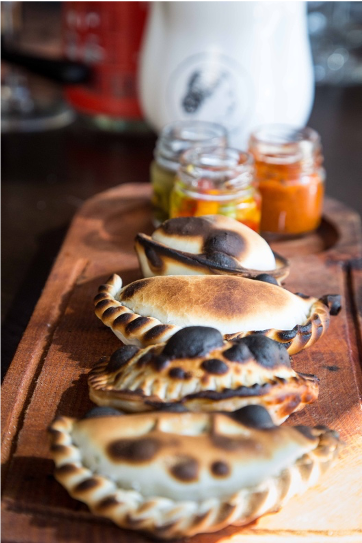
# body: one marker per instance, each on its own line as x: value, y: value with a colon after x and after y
x: 217, y: 301
x: 178, y: 474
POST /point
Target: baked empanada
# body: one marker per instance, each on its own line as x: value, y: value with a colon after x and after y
x: 196, y: 368
x: 150, y: 311
x: 208, y: 245
x: 177, y: 474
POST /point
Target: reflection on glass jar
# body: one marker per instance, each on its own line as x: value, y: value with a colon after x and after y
x: 290, y: 176
x: 174, y: 139
x: 216, y: 180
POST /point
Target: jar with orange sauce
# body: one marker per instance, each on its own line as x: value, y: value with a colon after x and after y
x: 290, y: 176
x: 216, y: 181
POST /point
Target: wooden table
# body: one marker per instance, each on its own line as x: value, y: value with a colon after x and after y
x: 64, y: 340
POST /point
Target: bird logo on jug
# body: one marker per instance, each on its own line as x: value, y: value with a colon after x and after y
x: 212, y: 87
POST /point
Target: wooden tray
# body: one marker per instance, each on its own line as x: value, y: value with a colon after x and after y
x: 64, y: 339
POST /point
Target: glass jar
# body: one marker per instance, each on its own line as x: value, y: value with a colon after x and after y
x: 216, y: 180
x: 290, y: 176
x: 173, y: 140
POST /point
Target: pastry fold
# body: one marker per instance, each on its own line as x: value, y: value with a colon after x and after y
x: 177, y: 474
x: 213, y: 244
x: 197, y: 369
x: 150, y: 311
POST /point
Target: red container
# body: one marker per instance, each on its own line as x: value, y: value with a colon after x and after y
x: 106, y: 36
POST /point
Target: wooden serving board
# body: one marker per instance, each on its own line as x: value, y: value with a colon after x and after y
x: 64, y: 340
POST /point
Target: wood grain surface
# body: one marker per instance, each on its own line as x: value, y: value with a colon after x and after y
x: 64, y: 339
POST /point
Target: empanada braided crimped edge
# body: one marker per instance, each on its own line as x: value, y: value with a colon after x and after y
x: 166, y: 518
x: 281, y: 398
x: 132, y: 328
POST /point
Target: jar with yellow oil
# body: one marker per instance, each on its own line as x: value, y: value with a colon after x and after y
x: 174, y: 140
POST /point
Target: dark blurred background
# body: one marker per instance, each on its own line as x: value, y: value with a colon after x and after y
x: 48, y: 171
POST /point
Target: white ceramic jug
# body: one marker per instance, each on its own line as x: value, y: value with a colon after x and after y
x: 241, y: 64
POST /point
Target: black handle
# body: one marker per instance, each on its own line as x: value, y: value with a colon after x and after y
x: 62, y: 71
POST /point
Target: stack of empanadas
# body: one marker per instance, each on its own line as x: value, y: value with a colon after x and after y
x: 205, y: 376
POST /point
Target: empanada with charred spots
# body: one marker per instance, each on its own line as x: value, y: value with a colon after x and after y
x: 196, y: 368
x: 178, y: 474
x: 150, y: 311
x: 213, y: 244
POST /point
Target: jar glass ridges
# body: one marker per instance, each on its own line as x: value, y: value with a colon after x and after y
x: 290, y: 176
x: 174, y: 139
x: 216, y: 180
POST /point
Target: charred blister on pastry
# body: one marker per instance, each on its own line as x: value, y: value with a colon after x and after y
x: 136, y: 325
x: 267, y: 352
x: 102, y: 411
x: 161, y: 362
x: 215, y: 366
x: 267, y: 278
x: 145, y: 359
x: 239, y: 352
x: 173, y: 408
x: 301, y: 295
x: 219, y: 468
x: 66, y: 469
x: 244, y: 392
x: 120, y: 357
x: 224, y: 241
x: 179, y: 373
x: 306, y: 329
x: 193, y: 341
x: 156, y: 332
x: 123, y: 319
x: 87, y: 485
x: 231, y: 444
x: 99, y: 297
x: 287, y: 335
x: 134, y: 450
x: 186, y: 470
x: 217, y: 259
x: 111, y: 312
x: 253, y: 416
x: 306, y: 431
x: 186, y: 227
x: 56, y: 434
x: 108, y: 503
x: 59, y: 449
x: 102, y: 304
x: 333, y: 302
x: 105, y: 287
x: 133, y: 288
x: 154, y: 259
